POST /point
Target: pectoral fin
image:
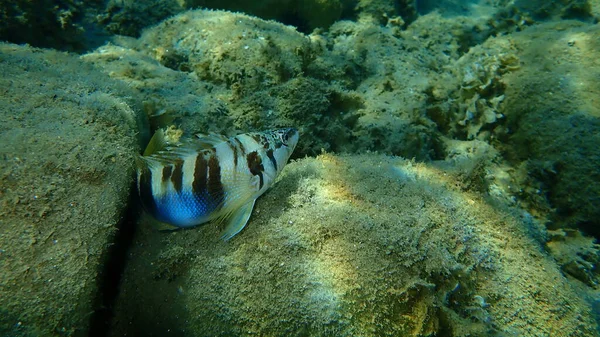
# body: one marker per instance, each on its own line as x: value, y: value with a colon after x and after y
x: 237, y: 220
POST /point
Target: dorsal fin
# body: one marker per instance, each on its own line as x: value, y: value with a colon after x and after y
x: 162, y: 150
x: 209, y: 140
x: 171, y: 153
x: 157, y: 143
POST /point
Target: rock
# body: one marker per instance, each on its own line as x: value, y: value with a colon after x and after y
x: 577, y: 254
x: 530, y: 94
x: 553, y: 121
x: 129, y: 17
x: 544, y: 10
x: 353, y: 245
x: 229, y: 73
x: 64, y: 25
x: 68, y: 141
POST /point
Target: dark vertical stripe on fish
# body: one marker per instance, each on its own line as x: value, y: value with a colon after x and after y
x: 241, y: 146
x: 272, y: 158
x: 256, y: 167
x: 145, y: 189
x: 166, y: 173
x: 234, y: 149
x: 257, y: 138
x: 200, y: 170
x: 177, y: 175
x: 215, y: 187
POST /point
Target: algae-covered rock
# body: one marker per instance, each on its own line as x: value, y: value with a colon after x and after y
x: 468, y: 105
x: 531, y: 94
x: 68, y: 141
x: 218, y: 71
x: 554, y: 121
x: 129, y: 17
x: 393, y: 86
x: 354, y: 246
x: 578, y: 255
x: 234, y: 49
x: 570, y: 9
x: 229, y: 73
x: 62, y: 24
x: 167, y: 96
x: 304, y: 14
x: 595, y: 10
x: 226, y: 72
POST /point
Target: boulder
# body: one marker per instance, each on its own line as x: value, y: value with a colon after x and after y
x: 68, y: 143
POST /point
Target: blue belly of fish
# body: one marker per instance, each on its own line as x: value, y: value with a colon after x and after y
x: 184, y: 209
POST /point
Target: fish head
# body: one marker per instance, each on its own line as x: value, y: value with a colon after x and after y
x: 286, y: 141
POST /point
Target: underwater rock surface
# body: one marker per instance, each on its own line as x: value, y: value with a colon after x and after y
x: 353, y: 245
x: 229, y: 73
x: 129, y: 17
x: 61, y: 24
x: 553, y: 113
x: 235, y: 72
x: 68, y: 141
x: 77, y: 25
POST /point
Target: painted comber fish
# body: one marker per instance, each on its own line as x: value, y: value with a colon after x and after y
x: 211, y: 176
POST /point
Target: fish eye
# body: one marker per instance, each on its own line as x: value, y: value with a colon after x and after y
x: 283, y: 137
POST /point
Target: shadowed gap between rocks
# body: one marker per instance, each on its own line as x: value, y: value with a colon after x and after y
x: 109, y: 280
